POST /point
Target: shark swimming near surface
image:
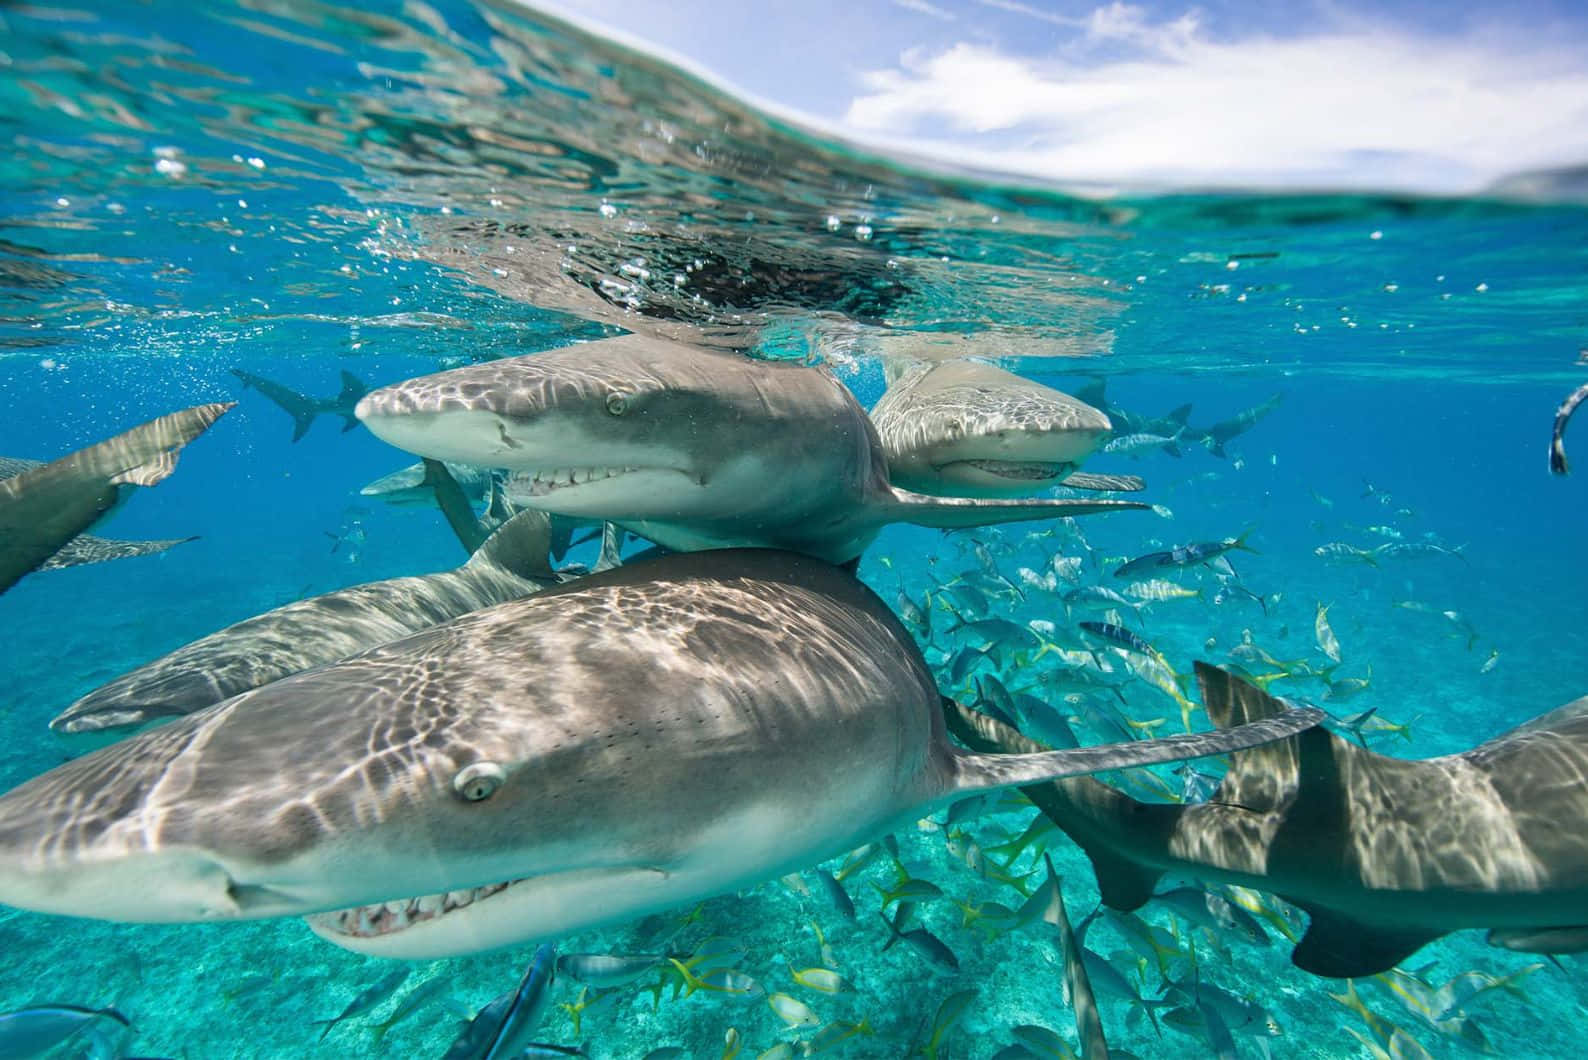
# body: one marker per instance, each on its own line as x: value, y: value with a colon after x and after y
x: 1384, y: 854
x: 42, y: 509
x: 628, y: 742
x: 305, y: 410
x: 688, y: 448
x: 312, y: 632
x: 86, y: 548
x: 966, y: 428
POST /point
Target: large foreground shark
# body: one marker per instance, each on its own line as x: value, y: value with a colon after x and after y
x: 1384, y: 854
x: 966, y: 428
x: 688, y: 448
x: 308, y: 633
x: 624, y: 743
x: 45, y: 507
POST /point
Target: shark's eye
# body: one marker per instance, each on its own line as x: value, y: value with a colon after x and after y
x: 617, y: 403
x: 479, y: 781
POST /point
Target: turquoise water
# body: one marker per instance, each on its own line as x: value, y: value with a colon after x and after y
x: 298, y: 189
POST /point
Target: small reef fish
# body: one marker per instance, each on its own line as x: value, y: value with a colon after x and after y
x: 37, y: 1029
x: 1327, y: 642
x: 502, y: 1028
x: 367, y: 999
x: 1183, y: 555
x: 1557, y: 441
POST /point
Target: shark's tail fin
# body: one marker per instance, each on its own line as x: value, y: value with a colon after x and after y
x: 303, y: 410
x: 520, y: 546
x: 958, y: 513
x: 352, y: 389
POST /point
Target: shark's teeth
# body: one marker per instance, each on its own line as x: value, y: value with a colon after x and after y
x: 1022, y: 469
x: 547, y: 479
x: 368, y: 921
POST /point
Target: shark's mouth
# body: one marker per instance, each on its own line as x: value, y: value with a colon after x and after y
x: 1024, y: 470
x: 547, y: 480
x: 388, y: 918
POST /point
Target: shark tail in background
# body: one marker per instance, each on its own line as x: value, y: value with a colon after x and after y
x: 303, y: 410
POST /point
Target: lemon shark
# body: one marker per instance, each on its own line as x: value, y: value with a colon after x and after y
x: 43, y: 508
x: 627, y: 742
x: 688, y: 448
x: 510, y: 564
x: 1384, y: 854
x: 966, y: 428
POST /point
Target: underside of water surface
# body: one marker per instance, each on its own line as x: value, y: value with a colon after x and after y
x: 297, y: 190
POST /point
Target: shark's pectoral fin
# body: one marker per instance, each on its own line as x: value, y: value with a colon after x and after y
x: 1083, y: 480
x: 1338, y: 947
x: 1570, y: 939
x: 454, y: 505
x: 958, y: 513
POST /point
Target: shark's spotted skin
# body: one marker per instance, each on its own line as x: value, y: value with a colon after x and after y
x: 970, y: 429
x: 688, y: 448
x: 628, y: 742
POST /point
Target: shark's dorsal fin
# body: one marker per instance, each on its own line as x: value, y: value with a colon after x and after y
x: 520, y: 546
x: 896, y: 366
x: 611, y: 547
x: 958, y: 513
x: 1338, y: 947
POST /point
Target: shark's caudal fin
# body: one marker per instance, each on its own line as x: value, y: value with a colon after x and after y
x: 520, y: 546
x: 981, y: 772
x: 352, y: 389
x: 303, y: 410
x: 454, y: 505
x: 1082, y: 480
x: 957, y: 513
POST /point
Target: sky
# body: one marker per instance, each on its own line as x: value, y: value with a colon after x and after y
x: 1436, y: 98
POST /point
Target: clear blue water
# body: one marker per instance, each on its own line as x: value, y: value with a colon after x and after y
x: 296, y: 189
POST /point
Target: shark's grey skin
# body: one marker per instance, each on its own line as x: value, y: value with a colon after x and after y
x: 303, y: 409
x: 687, y: 448
x: 966, y: 428
x: 86, y: 548
x: 1386, y: 855
x: 624, y: 743
x: 45, y: 507
x: 308, y: 633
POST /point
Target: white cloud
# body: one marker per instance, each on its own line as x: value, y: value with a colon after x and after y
x: 923, y: 8
x: 1130, y: 98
